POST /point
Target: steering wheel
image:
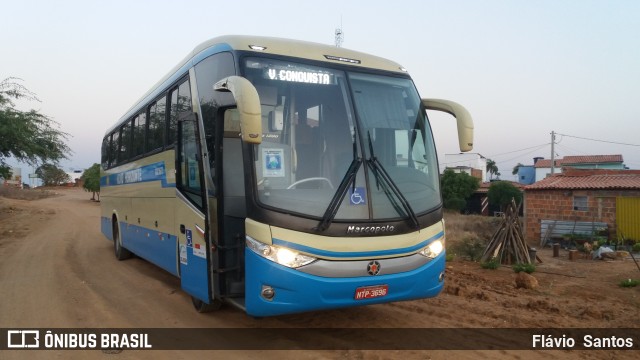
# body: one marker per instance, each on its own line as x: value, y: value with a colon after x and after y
x: 310, y: 179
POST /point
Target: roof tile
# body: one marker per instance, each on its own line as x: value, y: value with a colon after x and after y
x: 589, y: 180
x: 583, y: 159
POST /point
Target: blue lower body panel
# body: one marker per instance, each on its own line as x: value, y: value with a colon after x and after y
x: 296, y: 291
x: 105, y: 227
x: 151, y: 245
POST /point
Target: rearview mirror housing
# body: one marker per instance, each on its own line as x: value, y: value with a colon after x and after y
x: 248, y: 103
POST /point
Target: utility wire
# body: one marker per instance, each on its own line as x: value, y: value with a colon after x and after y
x: 513, y: 158
x: 604, y: 141
x: 536, y: 147
x: 514, y: 151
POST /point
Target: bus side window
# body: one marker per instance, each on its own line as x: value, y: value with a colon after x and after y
x: 173, y: 117
x: 105, y: 152
x: 156, y: 124
x: 125, y: 142
x: 113, y: 149
x: 189, y: 180
x: 180, y: 108
x: 139, y: 125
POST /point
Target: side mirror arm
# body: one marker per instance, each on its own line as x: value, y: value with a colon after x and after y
x: 463, y: 119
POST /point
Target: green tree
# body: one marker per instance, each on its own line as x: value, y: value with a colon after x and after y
x: 27, y: 136
x: 91, y: 179
x: 51, y: 175
x: 501, y: 192
x: 492, y: 169
x: 457, y: 188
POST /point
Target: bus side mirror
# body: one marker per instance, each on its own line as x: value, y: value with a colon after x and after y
x: 463, y: 118
x: 248, y: 103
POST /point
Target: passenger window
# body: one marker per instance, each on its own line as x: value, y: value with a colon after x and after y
x: 139, y: 127
x: 125, y: 143
x: 113, y: 149
x: 105, y: 153
x: 173, y: 117
x: 180, y: 108
x: 189, y: 181
x: 156, y: 126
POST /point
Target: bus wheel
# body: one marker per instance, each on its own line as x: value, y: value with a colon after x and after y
x: 203, y: 307
x: 120, y: 252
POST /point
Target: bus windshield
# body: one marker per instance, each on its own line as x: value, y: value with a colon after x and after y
x: 326, y: 129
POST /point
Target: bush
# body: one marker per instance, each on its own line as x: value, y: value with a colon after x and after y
x: 491, y: 264
x: 471, y: 247
x: 456, y: 204
x: 629, y: 283
x: 636, y: 247
x: 449, y: 257
x: 528, y: 268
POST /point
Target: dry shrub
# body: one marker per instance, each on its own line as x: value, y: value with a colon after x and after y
x: 459, y: 227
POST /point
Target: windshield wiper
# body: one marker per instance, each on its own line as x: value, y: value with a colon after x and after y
x: 349, y: 177
x: 334, y: 205
x: 387, y: 184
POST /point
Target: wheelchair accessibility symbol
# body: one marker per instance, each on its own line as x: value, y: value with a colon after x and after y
x: 357, y: 196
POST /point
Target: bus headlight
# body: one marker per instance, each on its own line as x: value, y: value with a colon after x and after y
x: 283, y: 256
x: 433, y: 249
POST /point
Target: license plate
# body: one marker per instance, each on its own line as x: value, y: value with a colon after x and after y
x: 370, y: 292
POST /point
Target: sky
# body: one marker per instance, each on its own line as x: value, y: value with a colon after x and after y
x: 522, y: 68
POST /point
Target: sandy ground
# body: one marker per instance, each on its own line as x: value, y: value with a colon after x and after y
x: 57, y: 270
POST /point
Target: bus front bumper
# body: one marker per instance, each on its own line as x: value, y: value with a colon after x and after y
x: 294, y: 291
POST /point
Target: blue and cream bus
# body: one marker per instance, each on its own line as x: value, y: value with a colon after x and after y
x: 281, y: 176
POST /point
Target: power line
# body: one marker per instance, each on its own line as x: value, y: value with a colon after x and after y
x: 603, y: 141
x: 529, y: 152
x: 536, y: 147
x: 514, y: 151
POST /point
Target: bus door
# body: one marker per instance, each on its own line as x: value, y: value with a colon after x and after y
x: 232, y: 211
x: 190, y: 210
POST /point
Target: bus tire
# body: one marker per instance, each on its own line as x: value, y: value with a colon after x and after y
x: 119, y: 250
x: 203, y: 307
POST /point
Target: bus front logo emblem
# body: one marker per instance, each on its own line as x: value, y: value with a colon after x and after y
x: 373, y: 268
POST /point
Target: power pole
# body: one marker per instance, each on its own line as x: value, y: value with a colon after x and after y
x: 553, y: 152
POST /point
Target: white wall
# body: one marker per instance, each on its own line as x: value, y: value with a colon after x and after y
x: 472, y: 160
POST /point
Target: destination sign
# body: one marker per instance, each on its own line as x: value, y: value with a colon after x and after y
x: 300, y: 76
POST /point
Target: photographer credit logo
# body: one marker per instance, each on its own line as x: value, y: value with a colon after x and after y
x: 23, y: 339
x: 76, y: 339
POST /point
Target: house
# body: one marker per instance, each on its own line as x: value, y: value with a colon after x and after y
x: 470, y: 163
x: 477, y: 173
x: 526, y: 174
x: 607, y: 197
x: 543, y: 166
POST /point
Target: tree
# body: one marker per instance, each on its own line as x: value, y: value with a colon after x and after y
x: 457, y: 188
x: 27, y: 136
x: 492, y: 168
x: 501, y: 193
x: 91, y: 179
x: 51, y: 175
x: 516, y: 169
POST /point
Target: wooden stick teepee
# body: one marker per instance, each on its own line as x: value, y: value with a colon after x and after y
x: 507, y: 243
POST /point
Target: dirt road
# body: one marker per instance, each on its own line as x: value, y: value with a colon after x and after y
x: 58, y: 271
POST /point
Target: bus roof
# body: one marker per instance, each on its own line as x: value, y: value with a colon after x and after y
x: 262, y: 45
x: 304, y: 50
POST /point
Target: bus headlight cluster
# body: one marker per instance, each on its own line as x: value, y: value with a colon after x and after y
x: 433, y: 249
x: 283, y: 256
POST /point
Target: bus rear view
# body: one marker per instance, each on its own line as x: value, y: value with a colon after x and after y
x: 306, y: 178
